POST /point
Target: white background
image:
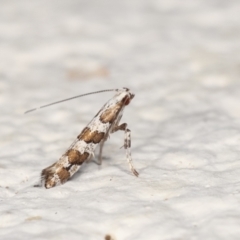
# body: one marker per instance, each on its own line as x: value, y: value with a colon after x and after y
x: 181, y: 59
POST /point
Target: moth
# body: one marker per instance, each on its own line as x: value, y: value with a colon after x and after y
x: 105, y: 122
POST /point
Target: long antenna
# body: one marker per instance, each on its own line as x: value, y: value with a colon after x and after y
x: 64, y: 100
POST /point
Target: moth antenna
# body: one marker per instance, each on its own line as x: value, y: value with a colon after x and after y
x: 67, y: 99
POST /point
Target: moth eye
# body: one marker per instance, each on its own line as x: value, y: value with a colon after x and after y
x: 127, y: 101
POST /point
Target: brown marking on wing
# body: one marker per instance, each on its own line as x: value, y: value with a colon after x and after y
x: 47, y: 172
x: 75, y: 157
x: 110, y: 114
x: 98, y: 137
x: 88, y: 136
x: 63, y: 175
x: 84, y: 131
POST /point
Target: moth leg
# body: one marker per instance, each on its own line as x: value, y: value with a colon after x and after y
x: 90, y: 158
x: 101, y: 144
x: 127, y: 145
x: 100, y: 152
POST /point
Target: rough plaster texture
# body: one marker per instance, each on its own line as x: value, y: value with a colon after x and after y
x: 181, y: 59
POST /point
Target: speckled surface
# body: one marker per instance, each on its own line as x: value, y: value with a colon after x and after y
x: 181, y: 59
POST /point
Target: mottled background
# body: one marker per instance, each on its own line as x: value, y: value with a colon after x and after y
x: 181, y: 59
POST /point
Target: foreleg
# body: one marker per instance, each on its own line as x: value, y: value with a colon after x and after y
x: 127, y: 144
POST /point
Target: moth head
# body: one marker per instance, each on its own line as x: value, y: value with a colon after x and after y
x: 128, y: 97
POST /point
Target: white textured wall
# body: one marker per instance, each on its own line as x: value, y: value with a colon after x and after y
x: 181, y: 59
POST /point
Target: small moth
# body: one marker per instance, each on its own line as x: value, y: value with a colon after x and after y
x: 106, y: 121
